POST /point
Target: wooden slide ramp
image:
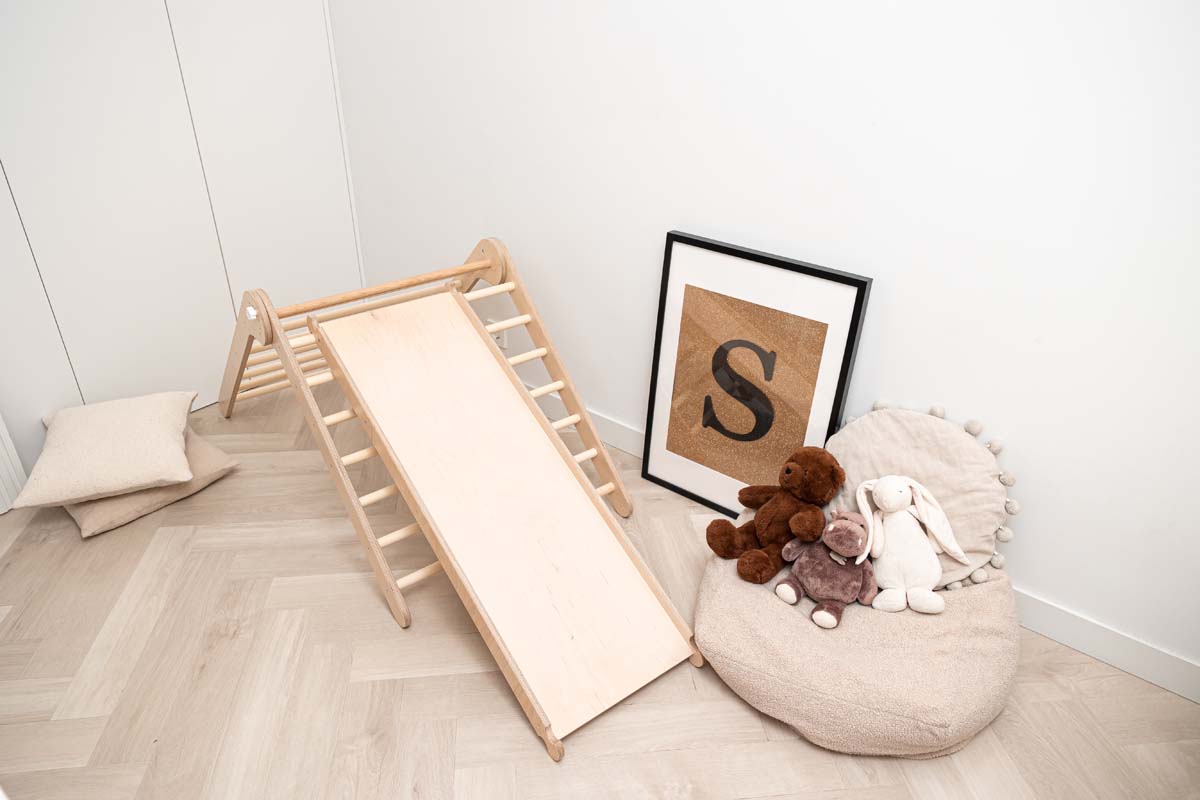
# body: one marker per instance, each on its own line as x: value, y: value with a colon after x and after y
x: 572, y: 615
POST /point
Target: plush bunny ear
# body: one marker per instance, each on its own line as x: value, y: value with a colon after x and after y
x: 864, y: 508
x: 930, y: 513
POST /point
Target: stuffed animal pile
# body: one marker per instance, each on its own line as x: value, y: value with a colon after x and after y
x: 900, y: 526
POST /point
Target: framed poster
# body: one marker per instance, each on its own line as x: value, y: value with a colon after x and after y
x: 752, y: 357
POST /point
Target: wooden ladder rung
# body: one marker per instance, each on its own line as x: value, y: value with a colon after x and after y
x: 547, y: 389
x: 529, y: 356
x: 565, y: 422
x: 279, y: 374
x: 505, y: 324
x: 262, y: 369
x: 399, y: 535
x: 338, y: 418
x: 358, y: 455
x: 606, y: 489
x: 270, y: 355
x: 246, y: 394
x: 295, y: 341
x: 371, y: 498
x: 419, y: 575
x: 319, y: 378
x: 586, y: 455
x: 490, y: 291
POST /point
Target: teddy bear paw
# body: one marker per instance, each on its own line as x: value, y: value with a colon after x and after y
x: 755, y: 566
x: 787, y: 594
x: 720, y: 536
x: 824, y: 619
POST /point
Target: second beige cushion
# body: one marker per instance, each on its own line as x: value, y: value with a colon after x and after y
x: 208, y: 463
x: 115, y: 447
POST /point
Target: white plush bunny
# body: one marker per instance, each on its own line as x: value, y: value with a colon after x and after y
x: 905, y: 558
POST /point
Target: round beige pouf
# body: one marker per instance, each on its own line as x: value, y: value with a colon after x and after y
x: 895, y: 684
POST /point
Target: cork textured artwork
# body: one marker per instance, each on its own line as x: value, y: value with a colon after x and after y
x: 743, y: 388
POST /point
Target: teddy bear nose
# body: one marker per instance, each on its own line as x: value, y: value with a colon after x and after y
x: 787, y: 471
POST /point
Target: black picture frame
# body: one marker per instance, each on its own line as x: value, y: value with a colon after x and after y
x: 860, y: 283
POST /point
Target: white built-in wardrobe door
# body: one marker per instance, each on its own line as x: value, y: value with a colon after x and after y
x: 95, y: 136
x: 261, y: 86
x: 35, y: 375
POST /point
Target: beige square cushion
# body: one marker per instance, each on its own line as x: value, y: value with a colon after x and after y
x: 208, y: 463
x: 103, y: 449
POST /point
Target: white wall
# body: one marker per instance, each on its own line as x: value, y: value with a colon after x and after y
x: 1019, y: 179
x: 142, y: 247
x: 98, y: 148
x: 260, y: 85
x: 37, y: 373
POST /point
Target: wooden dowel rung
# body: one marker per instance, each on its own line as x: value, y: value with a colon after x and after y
x: 606, y: 489
x: 565, y: 422
x: 511, y: 322
x: 358, y: 308
x: 399, y: 535
x: 319, y: 378
x: 272, y: 356
x: 269, y: 355
x: 262, y: 357
x: 295, y: 341
x: 302, y: 341
x: 358, y: 456
x: 262, y: 369
x: 529, y: 356
x: 586, y: 455
x: 371, y: 498
x: 262, y: 380
x: 547, y: 389
x: 490, y: 291
x: 419, y: 575
x: 280, y: 374
x: 383, y: 288
x: 261, y: 385
x: 261, y: 390
x: 273, y: 366
x: 338, y: 417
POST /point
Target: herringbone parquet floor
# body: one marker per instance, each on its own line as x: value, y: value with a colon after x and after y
x: 233, y: 646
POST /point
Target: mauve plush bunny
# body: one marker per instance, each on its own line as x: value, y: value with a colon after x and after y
x: 906, y: 562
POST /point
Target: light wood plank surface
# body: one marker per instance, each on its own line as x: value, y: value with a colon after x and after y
x: 583, y: 627
x: 189, y: 608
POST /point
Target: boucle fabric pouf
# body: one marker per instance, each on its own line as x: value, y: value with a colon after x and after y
x: 902, y: 684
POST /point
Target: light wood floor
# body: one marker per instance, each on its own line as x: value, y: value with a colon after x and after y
x: 232, y: 645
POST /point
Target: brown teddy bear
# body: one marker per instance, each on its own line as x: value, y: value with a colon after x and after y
x: 825, y: 570
x: 810, y: 479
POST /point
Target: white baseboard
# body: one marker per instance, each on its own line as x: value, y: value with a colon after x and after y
x: 12, y: 474
x: 1121, y: 650
x: 1075, y: 630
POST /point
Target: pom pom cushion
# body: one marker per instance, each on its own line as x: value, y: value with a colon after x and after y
x: 959, y: 471
x: 111, y: 448
x: 208, y: 463
x: 903, y: 684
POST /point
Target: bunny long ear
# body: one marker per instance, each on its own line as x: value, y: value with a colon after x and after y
x: 864, y: 508
x: 930, y: 513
